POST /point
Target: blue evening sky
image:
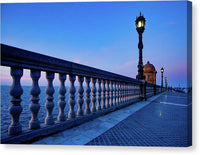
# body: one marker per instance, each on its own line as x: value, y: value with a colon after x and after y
x: 101, y: 35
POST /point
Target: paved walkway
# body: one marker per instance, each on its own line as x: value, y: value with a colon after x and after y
x: 160, y: 121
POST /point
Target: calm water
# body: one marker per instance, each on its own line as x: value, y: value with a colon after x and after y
x: 26, y: 115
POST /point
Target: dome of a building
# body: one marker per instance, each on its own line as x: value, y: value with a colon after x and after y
x: 148, y: 68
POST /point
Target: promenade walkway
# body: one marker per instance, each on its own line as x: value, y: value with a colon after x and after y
x: 159, y: 121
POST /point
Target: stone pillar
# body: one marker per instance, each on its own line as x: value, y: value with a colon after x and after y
x: 127, y: 91
x: 131, y: 92
x: 99, y: 95
x: 15, y: 109
x: 49, y: 99
x: 93, y: 107
x: 61, y: 102
x: 120, y: 93
x: 34, y: 106
x: 114, y: 94
x: 87, y: 96
x: 80, y: 96
x: 103, y: 95
x: 72, y: 91
x: 107, y: 94
x: 118, y: 97
x: 111, y: 93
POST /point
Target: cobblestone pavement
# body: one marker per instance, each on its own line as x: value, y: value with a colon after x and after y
x: 164, y: 122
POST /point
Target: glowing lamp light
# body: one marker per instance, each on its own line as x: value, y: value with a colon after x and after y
x: 140, y: 23
x: 162, y: 70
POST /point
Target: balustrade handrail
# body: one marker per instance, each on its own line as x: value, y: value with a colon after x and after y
x: 16, y: 57
x: 114, y: 92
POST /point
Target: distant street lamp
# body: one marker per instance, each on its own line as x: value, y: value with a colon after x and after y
x: 140, y: 24
x: 162, y: 70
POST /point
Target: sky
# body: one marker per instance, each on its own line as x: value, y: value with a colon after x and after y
x: 100, y: 34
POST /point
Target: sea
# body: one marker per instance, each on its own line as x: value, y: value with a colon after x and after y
x: 26, y: 114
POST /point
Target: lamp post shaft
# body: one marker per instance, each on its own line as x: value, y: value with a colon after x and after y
x: 162, y: 80
x: 140, y: 75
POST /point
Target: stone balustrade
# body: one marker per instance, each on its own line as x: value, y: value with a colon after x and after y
x: 104, y: 92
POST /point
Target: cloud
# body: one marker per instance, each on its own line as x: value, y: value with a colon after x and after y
x: 129, y: 63
x: 128, y: 68
x: 126, y: 64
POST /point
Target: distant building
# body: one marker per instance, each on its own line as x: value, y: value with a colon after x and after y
x: 150, y: 73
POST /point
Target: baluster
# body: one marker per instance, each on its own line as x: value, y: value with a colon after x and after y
x: 61, y: 102
x: 34, y: 106
x: 120, y: 93
x: 93, y: 108
x: 117, y: 93
x: 128, y: 89
x: 114, y: 93
x: 131, y: 91
x: 15, y: 109
x: 127, y: 92
x: 49, y: 99
x: 99, y: 95
x: 103, y: 94
x: 118, y: 97
x: 72, y: 90
x: 107, y: 94
x: 80, y: 96
x: 124, y: 92
x: 87, y: 98
x: 111, y: 93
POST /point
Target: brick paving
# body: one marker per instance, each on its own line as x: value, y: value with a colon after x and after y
x: 164, y: 122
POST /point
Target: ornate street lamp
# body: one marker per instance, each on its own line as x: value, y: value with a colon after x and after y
x: 162, y: 70
x: 140, y: 24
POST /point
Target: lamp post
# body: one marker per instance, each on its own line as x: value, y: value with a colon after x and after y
x: 162, y: 70
x: 140, y: 23
x: 166, y: 82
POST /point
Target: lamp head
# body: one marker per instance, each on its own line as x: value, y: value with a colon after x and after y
x: 162, y: 70
x: 140, y: 23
